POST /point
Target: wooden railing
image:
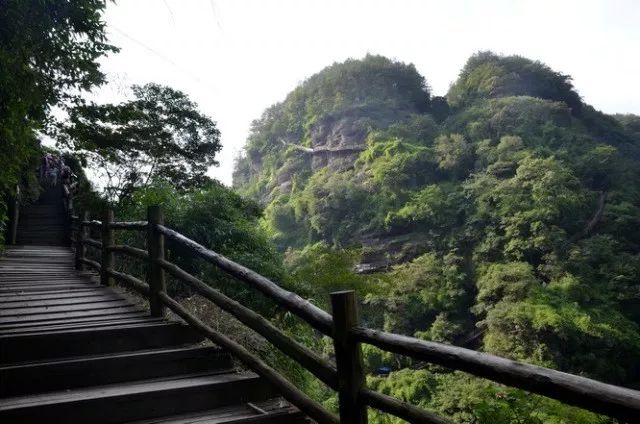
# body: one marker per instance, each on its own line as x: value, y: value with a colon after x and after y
x: 14, y: 215
x: 347, y: 375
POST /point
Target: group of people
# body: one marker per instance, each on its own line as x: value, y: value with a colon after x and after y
x: 53, y: 170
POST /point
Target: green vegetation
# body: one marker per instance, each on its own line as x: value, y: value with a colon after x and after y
x: 159, y: 136
x: 502, y: 218
x: 49, y: 53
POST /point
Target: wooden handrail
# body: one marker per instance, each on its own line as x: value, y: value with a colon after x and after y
x: 128, y: 250
x: 343, y: 328
x: 286, y: 388
x: 93, y: 264
x: 400, y: 409
x: 92, y: 223
x: 134, y: 225
x: 318, y: 366
x: 316, y: 317
x: 590, y: 394
x: 91, y: 242
x: 138, y: 285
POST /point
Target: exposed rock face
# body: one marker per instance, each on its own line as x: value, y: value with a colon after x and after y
x: 337, y: 142
x: 380, y: 251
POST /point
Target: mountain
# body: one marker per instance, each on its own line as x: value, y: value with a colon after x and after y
x: 504, y: 216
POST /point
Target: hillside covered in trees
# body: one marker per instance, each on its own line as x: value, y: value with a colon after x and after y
x: 504, y: 217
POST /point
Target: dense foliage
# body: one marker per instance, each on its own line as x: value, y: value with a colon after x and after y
x: 160, y: 135
x: 217, y: 218
x: 49, y: 51
x: 504, y: 218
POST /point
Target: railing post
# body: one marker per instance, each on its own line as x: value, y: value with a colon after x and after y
x: 15, y: 216
x: 107, y: 255
x: 351, y: 377
x: 155, y: 249
x: 81, y: 250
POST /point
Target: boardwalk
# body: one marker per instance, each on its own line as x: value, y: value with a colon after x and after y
x: 74, y: 351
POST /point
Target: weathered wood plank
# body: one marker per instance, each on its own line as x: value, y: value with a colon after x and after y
x: 286, y: 388
x: 313, y: 362
x: 73, y: 323
x: 589, y: 394
x: 6, y: 319
x: 49, y: 294
x: 39, y: 327
x: 306, y: 310
x: 65, y: 374
x: 393, y: 406
x: 59, y: 301
x: 44, y: 308
x: 92, y: 341
x: 351, y: 377
x: 134, y: 401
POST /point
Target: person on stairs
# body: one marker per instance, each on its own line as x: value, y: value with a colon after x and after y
x: 51, y: 169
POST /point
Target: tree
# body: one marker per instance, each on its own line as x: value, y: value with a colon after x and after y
x: 49, y: 51
x: 454, y: 154
x: 158, y: 136
x: 488, y: 75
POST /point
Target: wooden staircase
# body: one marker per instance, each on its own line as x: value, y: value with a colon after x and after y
x: 74, y: 351
x: 44, y: 223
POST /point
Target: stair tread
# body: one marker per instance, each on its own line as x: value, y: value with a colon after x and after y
x: 125, y: 389
x: 189, y: 348
x: 113, y: 368
x: 246, y: 412
x: 88, y: 323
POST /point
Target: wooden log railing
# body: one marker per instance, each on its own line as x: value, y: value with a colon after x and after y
x: 347, y: 376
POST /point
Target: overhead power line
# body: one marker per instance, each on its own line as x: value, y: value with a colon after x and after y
x: 162, y: 56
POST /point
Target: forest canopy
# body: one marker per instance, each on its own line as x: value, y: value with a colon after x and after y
x: 502, y: 217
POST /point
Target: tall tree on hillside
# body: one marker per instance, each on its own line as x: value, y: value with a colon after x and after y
x: 160, y: 135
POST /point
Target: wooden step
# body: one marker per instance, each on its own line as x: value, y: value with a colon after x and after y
x: 73, y: 351
x: 81, y: 300
x: 48, y: 308
x: 62, y: 241
x: 97, y: 370
x: 138, y: 400
x: 272, y: 411
x: 100, y: 291
x: 124, y: 319
x: 90, y: 341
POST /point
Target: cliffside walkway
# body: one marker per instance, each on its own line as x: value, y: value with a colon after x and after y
x: 74, y: 350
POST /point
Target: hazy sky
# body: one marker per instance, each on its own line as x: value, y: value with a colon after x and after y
x: 237, y: 57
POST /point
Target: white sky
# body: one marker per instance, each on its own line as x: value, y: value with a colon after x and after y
x: 237, y: 57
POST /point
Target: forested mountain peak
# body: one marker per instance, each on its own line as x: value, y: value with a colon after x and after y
x: 503, y: 217
x: 488, y: 75
x: 343, y: 101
